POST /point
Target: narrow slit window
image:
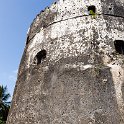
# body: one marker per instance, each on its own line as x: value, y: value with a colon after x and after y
x: 119, y: 46
x: 92, y: 10
x: 27, y: 40
x: 40, y: 57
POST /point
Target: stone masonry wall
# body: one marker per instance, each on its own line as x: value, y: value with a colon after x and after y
x: 81, y: 80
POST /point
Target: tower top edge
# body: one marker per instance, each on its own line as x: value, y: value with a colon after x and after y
x: 63, y: 9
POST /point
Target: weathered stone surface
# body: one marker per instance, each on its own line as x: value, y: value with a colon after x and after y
x: 81, y: 80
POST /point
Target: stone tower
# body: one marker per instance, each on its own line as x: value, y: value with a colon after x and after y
x: 72, y: 69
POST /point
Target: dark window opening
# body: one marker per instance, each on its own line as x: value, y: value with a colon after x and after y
x: 92, y: 9
x: 119, y: 46
x: 110, y: 8
x: 27, y: 40
x: 40, y: 56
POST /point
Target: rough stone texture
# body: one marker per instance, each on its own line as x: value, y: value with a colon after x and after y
x: 81, y: 81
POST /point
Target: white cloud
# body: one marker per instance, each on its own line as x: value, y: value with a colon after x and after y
x: 13, y: 75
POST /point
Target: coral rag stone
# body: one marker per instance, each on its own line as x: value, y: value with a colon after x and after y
x: 72, y: 68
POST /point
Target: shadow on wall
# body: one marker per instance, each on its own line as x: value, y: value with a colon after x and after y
x: 122, y: 90
x: 97, y: 88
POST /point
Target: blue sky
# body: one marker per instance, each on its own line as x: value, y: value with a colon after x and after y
x: 15, y: 19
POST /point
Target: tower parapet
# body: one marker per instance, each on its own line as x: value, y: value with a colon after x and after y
x: 62, y: 10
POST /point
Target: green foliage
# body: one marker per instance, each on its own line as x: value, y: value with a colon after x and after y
x: 1, y: 121
x: 4, y: 104
x: 92, y: 13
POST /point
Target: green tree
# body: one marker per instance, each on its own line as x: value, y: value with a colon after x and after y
x: 4, y: 104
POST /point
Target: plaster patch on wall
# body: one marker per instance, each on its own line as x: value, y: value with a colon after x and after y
x: 80, y: 66
x: 117, y: 74
x: 78, y: 34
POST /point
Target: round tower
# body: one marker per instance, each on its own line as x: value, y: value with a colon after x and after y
x: 71, y: 71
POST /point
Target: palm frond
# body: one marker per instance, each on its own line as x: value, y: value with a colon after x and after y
x: 6, y: 97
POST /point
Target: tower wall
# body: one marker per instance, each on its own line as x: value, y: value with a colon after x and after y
x: 81, y: 79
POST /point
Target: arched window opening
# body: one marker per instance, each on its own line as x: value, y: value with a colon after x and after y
x: 110, y: 8
x: 119, y: 46
x: 92, y: 9
x: 40, y: 56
